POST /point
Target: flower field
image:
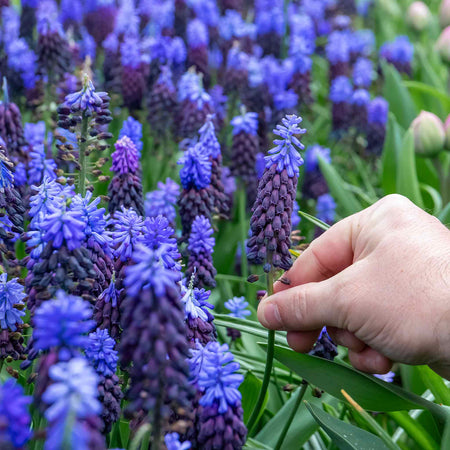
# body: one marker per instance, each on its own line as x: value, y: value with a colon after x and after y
x: 162, y: 162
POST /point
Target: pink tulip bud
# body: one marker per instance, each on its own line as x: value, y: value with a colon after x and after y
x: 443, y: 45
x: 447, y: 134
x: 444, y: 13
x: 429, y: 134
x: 418, y: 16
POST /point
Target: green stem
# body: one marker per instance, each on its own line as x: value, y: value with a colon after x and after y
x: 82, y: 155
x: 300, y: 394
x: 243, y: 223
x: 269, y: 361
x: 444, y: 179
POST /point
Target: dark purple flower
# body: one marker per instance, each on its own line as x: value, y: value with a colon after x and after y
x: 126, y: 157
x: 324, y: 347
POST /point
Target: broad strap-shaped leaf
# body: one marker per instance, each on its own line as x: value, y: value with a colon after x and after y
x: 249, y: 389
x: 343, y: 434
x: 389, y: 158
x: 370, y: 392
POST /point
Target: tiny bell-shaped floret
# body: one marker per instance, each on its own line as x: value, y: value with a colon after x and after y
x: 418, y: 16
x: 443, y: 45
x: 429, y: 134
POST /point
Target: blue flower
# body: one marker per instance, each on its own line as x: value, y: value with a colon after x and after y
x: 128, y: 232
x: 400, y: 50
x: 208, y: 138
x: 34, y: 132
x: 49, y: 196
x: 71, y: 11
x: 64, y: 225
x: 86, y: 100
x: 158, y: 231
x: 100, y: 352
x: 125, y: 159
x: 132, y: 129
x: 149, y: 272
x: 360, y: 97
x: 207, y: 11
x: 94, y: 218
x: 312, y: 157
x: 6, y: 176
x: 200, y: 240
x: 162, y: 201
x: 362, y: 42
x: 39, y: 166
x: 197, y: 167
x: 47, y: 18
x: 387, y: 377
x: 363, y: 73
x: 285, y: 100
x: 63, y: 323
x: 285, y: 155
x: 378, y: 111
x: 130, y: 50
x: 20, y: 175
x: 338, y: 47
x: 245, y: 123
x: 238, y: 307
x: 190, y: 87
x: 197, y: 34
x: 217, y: 377
x: 196, y: 303
x: 177, y: 51
x: 325, y: 208
x: 172, y: 441
x: 14, y: 415
x: 110, y: 294
x: 11, y: 295
x: 341, y: 90
x: 70, y: 398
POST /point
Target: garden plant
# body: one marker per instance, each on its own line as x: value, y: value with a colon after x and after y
x: 162, y: 162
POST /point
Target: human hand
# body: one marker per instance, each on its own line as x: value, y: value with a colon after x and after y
x: 380, y: 281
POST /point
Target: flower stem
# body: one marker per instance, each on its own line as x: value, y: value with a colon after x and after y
x: 82, y: 154
x: 269, y: 361
x: 300, y: 393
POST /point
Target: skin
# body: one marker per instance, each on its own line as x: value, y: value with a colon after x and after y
x: 380, y: 281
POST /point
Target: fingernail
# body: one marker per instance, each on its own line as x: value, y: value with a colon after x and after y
x: 271, y: 315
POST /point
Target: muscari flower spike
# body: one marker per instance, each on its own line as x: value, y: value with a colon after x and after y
x: 11, y: 295
x: 237, y: 307
x: 172, y: 441
x: 125, y: 159
x: 196, y: 170
x: 162, y: 201
x: 133, y: 130
x: 100, y: 352
x: 62, y: 323
x: 285, y: 155
x: 86, y: 100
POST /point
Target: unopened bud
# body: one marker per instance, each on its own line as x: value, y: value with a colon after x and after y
x: 443, y: 45
x: 444, y: 13
x: 429, y: 134
x: 419, y: 16
x: 447, y: 134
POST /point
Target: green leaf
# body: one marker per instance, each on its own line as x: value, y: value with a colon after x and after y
x: 389, y: 158
x: 249, y: 389
x: 395, y: 92
x: 253, y: 444
x: 343, y: 196
x: 444, y: 216
x: 407, y: 182
x: 435, y: 384
x: 317, y: 222
x: 370, y: 392
x: 345, y: 435
x: 429, y: 90
x: 435, y: 197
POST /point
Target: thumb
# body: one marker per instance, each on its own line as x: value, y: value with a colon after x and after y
x: 306, y: 307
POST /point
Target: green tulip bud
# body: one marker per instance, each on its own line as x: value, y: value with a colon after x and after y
x: 418, y: 16
x: 429, y: 134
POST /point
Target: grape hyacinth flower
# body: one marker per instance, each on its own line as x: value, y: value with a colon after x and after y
x: 162, y: 201
x: 11, y: 313
x: 102, y: 356
x: 207, y: 137
x: 154, y: 339
x: 28, y: 19
x: 399, y: 53
x: 52, y: 46
x: 14, y: 416
x: 195, y: 104
x: 196, y: 198
x: 325, y: 211
x: 324, y: 347
x: 85, y: 113
x: 125, y: 188
x: 271, y: 220
x: 270, y: 26
x: 162, y: 103
x: 73, y: 406
x: 236, y: 74
x: 219, y: 416
x: 377, y: 116
x: 106, y: 310
x: 200, y: 248
x: 199, y: 320
x: 314, y: 183
x: 338, y: 54
x: 133, y: 130
x: 198, y: 41
x: 238, y: 307
x: 244, y: 151
x: 360, y: 101
x: 172, y: 441
x: 363, y: 73
x: 341, y: 91
x: 100, y: 18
